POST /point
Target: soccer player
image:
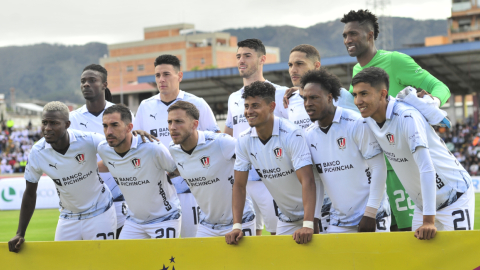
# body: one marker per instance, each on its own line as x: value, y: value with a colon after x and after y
x: 359, y: 35
x: 251, y: 56
x: 139, y: 170
x: 93, y: 83
x: 347, y: 158
x: 304, y: 58
x: 439, y: 186
x: 152, y: 116
x: 278, y: 151
x: 69, y: 158
x: 205, y: 160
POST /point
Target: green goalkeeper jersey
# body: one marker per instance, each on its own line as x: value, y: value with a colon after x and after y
x: 404, y: 71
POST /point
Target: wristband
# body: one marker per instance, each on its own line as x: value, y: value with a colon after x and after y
x: 370, y: 212
x: 237, y: 226
x: 308, y: 224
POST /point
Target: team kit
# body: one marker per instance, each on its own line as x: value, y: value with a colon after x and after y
x: 309, y: 159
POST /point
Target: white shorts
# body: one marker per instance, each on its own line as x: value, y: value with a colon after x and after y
x: 190, y: 215
x: 166, y: 229
x: 264, y: 206
x: 101, y: 227
x: 318, y: 203
x: 121, y: 209
x: 457, y: 216
x: 383, y: 225
x: 288, y: 228
x: 248, y: 229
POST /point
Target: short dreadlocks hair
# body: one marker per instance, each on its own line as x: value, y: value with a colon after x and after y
x: 264, y: 90
x: 328, y: 81
x: 363, y: 17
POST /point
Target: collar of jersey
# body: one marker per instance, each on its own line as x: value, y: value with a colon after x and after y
x: 336, y: 117
x: 71, y: 137
x: 391, y: 102
x: 83, y: 109
x: 275, y: 131
x: 201, y: 137
x: 134, y: 141
x: 181, y: 94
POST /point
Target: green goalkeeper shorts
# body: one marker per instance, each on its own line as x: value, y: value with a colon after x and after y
x: 400, y: 203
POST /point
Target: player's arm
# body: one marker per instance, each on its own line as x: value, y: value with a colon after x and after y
x: 239, y: 192
x: 143, y: 134
x: 408, y: 72
x: 229, y: 123
x: 26, y: 211
x: 101, y: 167
x: 428, y: 188
x: 305, y: 176
x: 288, y: 95
x: 207, y: 119
x: 378, y: 169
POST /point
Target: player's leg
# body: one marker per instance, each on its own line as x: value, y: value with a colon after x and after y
x: 342, y: 229
x: 132, y: 230
x: 190, y: 215
x: 401, y: 204
x: 248, y: 228
x: 325, y: 214
x: 68, y: 230
x: 383, y: 224
x: 417, y: 220
x: 121, y: 211
x: 165, y: 229
x: 459, y: 215
x: 267, y: 208
x: 288, y: 228
x: 204, y: 231
x: 318, y: 210
x: 259, y: 224
x: 101, y: 227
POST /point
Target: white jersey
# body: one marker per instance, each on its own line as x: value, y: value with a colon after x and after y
x: 82, y: 119
x: 236, y: 118
x: 82, y: 192
x: 406, y: 129
x: 276, y: 163
x: 298, y: 115
x: 208, y: 171
x: 141, y: 176
x: 339, y: 156
x: 152, y: 116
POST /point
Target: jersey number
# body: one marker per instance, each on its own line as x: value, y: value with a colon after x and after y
x: 402, y: 199
x: 104, y: 236
x: 461, y: 219
x: 196, y: 215
x: 245, y: 231
x: 170, y: 231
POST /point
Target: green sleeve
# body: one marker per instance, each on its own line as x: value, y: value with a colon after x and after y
x: 409, y: 73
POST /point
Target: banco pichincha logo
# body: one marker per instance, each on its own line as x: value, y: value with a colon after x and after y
x: 8, y: 193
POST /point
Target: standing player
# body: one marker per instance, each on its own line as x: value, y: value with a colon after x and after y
x: 93, y: 83
x: 304, y: 58
x: 152, y: 116
x: 205, y: 160
x: 432, y: 176
x: 359, y: 35
x: 139, y: 169
x: 278, y: 151
x: 251, y: 56
x: 69, y: 158
x: 347, y: 158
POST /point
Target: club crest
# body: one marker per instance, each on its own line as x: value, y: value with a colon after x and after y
x: 136, y: 163
x: 80, y: 158
x: 342, y: 143
x: 278, y: 152
x: 205, y: 161
x: 390, y: 138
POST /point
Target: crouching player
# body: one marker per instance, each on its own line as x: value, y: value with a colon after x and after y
x: 139, y: 168
x: 438, y: 185
x: 205, y: 160
x: 69, y: 158
x: 277, y: 149
x: 347, y: 158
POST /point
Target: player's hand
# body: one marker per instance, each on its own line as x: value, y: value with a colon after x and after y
x: 367, y: 224
x: 233, y: 237
x: 144, y: 134
x: 426, y: 232
x: 303, y: 235
x: 288, y: 94
x: 423, y: 93
x: 15, y: 243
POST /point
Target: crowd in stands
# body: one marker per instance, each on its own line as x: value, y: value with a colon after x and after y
x: 15, y: 145
x: 464, y: 142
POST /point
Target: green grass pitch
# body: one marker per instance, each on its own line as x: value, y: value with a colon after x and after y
x: 44, y: 221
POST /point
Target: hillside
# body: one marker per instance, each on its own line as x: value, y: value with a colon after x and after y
x: 52, y: 71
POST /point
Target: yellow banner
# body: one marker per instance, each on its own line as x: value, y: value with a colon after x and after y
x: 399, y: 250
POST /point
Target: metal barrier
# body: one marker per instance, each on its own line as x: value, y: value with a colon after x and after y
x: 399, y: 250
